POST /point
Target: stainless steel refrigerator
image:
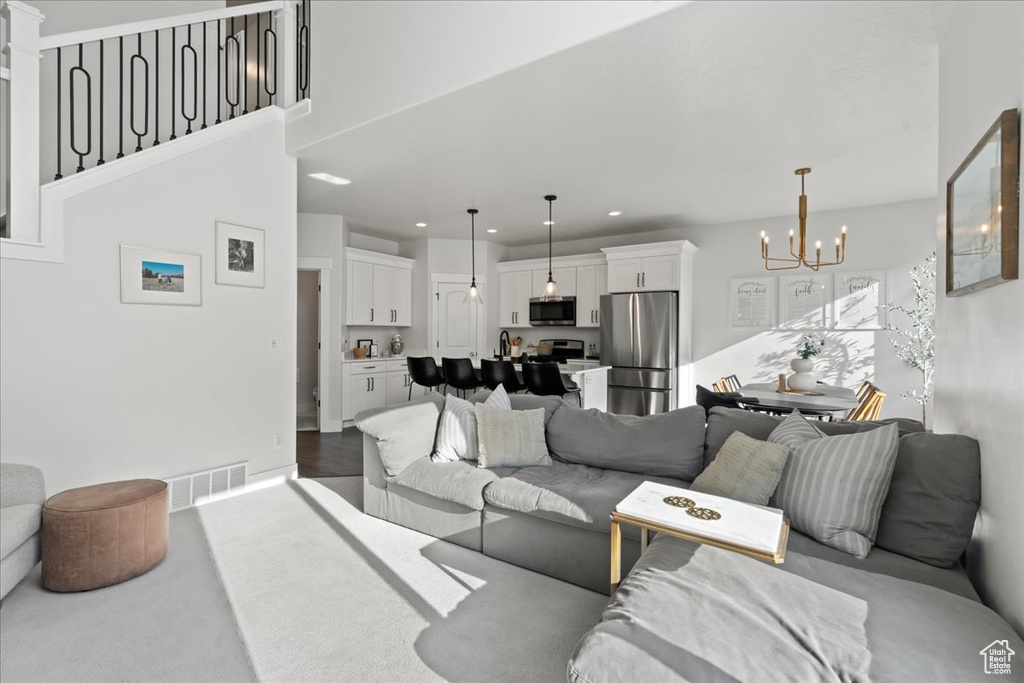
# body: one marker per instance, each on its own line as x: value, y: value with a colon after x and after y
x: 639, y: 338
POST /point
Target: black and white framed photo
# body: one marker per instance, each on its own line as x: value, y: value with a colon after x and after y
x: 240, y: 255
x: 364, y: 344
x: 154, y: 276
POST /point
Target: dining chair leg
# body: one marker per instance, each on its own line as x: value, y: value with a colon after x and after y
x: 410, y: 391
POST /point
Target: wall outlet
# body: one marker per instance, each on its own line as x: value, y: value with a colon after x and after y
x: 276, y: 343
x: 278, y: 441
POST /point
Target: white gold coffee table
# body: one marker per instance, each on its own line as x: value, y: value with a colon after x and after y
x: 751, y: 530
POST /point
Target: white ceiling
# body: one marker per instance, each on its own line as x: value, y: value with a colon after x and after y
x: 696, y: 116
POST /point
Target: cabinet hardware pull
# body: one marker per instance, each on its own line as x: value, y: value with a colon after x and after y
x: 644, y: 279
x: 371, y: 315
x: 638, y: 280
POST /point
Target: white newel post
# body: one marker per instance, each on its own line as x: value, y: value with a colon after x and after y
x: 23, y: 60
x: 286, y: 56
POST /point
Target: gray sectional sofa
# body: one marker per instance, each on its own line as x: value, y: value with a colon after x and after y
x: 22, y: 494
x: 689, y: 612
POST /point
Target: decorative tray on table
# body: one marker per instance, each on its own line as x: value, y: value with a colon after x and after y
x: 797, y: 392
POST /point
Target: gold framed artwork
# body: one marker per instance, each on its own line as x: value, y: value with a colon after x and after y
x: 982, y: 211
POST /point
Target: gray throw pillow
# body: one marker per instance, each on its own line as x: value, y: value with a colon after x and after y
x: 666, y: 445
x: 833, y: 487
x: 794, y: 430
x: 746, y: 469
x: 550, y: 404
x: 511, y: 438
x: 404, y: 433
x: 933, y: 498
x: 456, y: 435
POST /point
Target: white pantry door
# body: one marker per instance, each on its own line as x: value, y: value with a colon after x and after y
x: 455, y: 324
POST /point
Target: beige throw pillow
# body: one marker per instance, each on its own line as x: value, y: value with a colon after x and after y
x: 745, y: 469
x: 511, y: 438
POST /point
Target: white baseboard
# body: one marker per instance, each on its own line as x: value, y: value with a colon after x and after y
x: 285, y: 473
x: 332, y: 425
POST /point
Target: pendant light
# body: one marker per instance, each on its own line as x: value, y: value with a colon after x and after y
x: 551, y: 288
x: 473, y: 296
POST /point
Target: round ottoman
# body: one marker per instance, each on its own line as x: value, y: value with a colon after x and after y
x: 104, y: 534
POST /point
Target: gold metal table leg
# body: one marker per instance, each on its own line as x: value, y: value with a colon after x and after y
x: 644, y: 538
x: 616, y: 558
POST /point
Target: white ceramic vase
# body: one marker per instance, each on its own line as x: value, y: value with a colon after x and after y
x: 802, y: 379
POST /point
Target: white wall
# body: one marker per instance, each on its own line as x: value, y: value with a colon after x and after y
x: 893, y: 237
x: 95, y: 390
x: 323, y: 236
x: 63, y: 16
x: 371, y: 243
x: 980, y: 337
x: 308, y: 315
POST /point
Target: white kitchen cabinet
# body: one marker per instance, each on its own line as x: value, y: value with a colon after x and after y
x: 650, y: 273
x: 514, y: 298
x: 399, y: 381
x: 366, y: 391
x: 591, y: 283
x: 565, y: 279
x: 379, y: 289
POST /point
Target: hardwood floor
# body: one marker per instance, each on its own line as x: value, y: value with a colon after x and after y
x: 336, y: 454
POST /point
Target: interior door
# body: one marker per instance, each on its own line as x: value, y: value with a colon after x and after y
x: 455, y: 321
x: 360, y: 287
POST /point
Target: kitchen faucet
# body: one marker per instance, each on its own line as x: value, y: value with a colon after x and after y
x: 504, y: 344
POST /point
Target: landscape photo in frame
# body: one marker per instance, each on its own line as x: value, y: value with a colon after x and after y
x: 154, y: 276
x: 240, y: 255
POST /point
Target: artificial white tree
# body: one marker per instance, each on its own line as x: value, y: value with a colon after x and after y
x: 915, y: 345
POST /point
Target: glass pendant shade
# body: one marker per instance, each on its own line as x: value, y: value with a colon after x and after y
x: 473, y: 295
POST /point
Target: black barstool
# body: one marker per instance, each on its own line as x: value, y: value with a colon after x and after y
x: 423, y: 371
x: 495, y: 372
x: 708, y: 399
x: 545, y: 379
x: 460, y: 375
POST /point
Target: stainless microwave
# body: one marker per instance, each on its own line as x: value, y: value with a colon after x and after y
x: 544, y: 313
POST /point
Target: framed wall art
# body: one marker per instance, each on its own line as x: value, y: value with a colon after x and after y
x: 154, y: 276
x: 240, y: 256
x: 859, y: 299
x: 752, y: 302
x: 982, y: 211
x: 805, y: 301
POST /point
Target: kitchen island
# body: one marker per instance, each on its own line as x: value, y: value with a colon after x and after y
x: 591, y: 378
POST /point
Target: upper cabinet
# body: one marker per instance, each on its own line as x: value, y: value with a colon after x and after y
x: 565, y: 279
x: 516, y: 289
x: 379, y: 289
x: 591, y: 283
x: 649, y: 267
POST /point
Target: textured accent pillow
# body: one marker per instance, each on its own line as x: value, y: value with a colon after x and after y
x: 833, y: 487
x: 794, y: 430
x: 456, y: 435
x: 404, y: 433
x: 511, y: 438
x: 746, y: 469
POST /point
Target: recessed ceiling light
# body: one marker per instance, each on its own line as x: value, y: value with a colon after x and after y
x: 332, y: 179
x: 549, y: 222
x: 491, y: 230
x: 614, y: 213
x: 421, y: 225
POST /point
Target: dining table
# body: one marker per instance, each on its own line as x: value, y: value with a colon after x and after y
x: 832, y: 399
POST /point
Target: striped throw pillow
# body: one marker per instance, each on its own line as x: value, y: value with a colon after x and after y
x: 833, y: 487
x: 456, y: 435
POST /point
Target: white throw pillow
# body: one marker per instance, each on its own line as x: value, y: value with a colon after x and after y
x: 456, y: 435
x: 511, y: 438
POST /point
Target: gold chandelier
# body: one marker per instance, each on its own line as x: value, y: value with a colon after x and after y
x: 800, y: 258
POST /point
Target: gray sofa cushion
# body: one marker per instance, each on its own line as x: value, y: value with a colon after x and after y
x: 458, y: 481
x: 576, y: 495
x: 17, y: 524
x: 933, y: 498
x: 550, y: 404
x: 404, y: 433
x: 722, y: 422
x: 666, y: 445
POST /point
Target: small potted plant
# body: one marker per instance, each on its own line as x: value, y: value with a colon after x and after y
x: 802, y: 379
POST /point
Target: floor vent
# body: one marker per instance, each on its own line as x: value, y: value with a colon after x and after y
x: 190, y: 489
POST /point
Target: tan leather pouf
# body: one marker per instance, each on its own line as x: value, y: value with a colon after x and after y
x: 104, y: 534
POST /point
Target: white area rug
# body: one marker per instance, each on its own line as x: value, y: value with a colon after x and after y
x: 322, y: 592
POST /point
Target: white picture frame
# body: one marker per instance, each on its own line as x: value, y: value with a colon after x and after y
x: 805, y: 301
x: 156, y: 276
x: 240, y: 255
x: 753, y: 303
x: 858, y: 300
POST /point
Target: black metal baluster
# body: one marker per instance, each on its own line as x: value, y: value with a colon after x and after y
x: 100, y: 162
x: 174, y: 63
x: 156, y: 91
x: 309, y: 66
x: 139, y: 134
x: 245, y: 59
x: 186, y: 50
x: 120, y: 89
x: 220, y: 50
x: 82, y: 153
x: 258, y: 34
x: 58, y: 176
x: 204, y: 76
x: 233, y: 38
x: 269, y: 48
x: 298, y: 50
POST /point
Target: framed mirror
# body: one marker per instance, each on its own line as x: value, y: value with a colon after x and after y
x: 982, y: 211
